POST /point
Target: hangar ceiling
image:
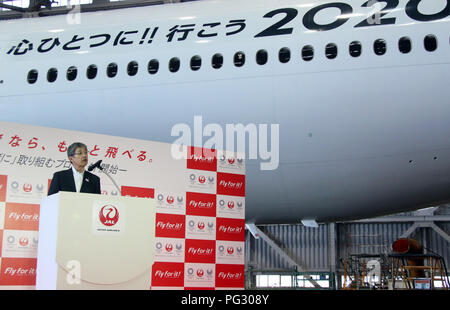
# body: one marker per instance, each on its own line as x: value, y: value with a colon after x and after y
x: 12, y: 9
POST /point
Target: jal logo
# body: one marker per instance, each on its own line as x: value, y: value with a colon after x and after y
x: 169, y: 247
x: 230, y: 205
x: 201, y: 225
x: 170, y: 199
x: 230, y: 250
x: 231, y: 161
x: 201, y: 179
x: 27, y: 187
x: 23, y: 241
x: 109, y: 215
x: 200, y: 273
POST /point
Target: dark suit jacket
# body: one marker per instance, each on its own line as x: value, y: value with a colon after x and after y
x: 63, y: 181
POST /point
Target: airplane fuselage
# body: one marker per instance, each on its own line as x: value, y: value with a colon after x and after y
x: 359, y: 92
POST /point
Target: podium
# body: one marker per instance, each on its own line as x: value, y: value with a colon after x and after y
x: 89, y: 241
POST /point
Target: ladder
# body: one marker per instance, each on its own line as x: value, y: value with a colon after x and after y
x: 419, y: 271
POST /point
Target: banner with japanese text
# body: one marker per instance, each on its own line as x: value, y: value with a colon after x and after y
x: 200, y: 220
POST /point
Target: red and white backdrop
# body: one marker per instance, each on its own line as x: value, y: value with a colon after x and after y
x: 200, y: 215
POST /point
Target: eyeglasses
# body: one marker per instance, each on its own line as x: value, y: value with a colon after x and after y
x: 80, y: 153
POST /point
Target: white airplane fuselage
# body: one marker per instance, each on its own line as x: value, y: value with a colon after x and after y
x: 358, y: 136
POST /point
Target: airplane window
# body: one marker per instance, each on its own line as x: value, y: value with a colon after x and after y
x: 239, y: 59
x: 196, y: 62
x: 174, y: 64
x: 404, y: 45
x: 379, y: 47
x: 32, y: 76
x: 355, y: 49
x: 153, y: 66
x: 331, y: 51
x: 111, y: 70
x: 91, y: 72
x: 217, y: 61
x: 284, y: 55
x: 52, y: 75
x: 261, y: 57
x: 72, y: 73
x: 132, y: 68
x: 307, y: 53
x: 430, y: 43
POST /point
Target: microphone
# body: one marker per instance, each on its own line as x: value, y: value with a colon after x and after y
x: 96, y: 165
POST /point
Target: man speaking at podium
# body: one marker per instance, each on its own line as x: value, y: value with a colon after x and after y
x: 75, y: 179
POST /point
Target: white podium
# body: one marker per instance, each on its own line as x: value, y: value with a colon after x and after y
x: 89, y: 241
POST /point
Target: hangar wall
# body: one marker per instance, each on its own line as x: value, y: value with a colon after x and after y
x: 322, y: 250
x: 308, y: 246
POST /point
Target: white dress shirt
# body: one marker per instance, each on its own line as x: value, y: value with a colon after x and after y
x: 78, y: 178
